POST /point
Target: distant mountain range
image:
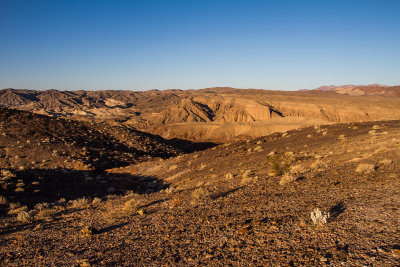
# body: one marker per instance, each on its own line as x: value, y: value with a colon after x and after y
x: 359, y: 90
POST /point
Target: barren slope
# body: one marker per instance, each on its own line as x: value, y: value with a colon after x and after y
x: 244, y: 203
x: 61, y: 158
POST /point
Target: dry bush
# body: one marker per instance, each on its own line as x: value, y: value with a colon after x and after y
x: 19, y: 190
x: 298, y: 169
x: 24, y: 216
x: 376, y: 127
x: 88, y: 231
x: 199, y: 194
x: 319, y: 217
x: 170, y: 190
x: 7, y: 174
x: 177, y: 200
x: 229, y: 176
x: 131, y: 204
x: 3, y: 200
x: 287, y: 178
x: 365, y: 168
x: 96, y: 200
x: 79, y: 203
x: 16, y: 209
x: 247, y: 177
x: 319, y: 165
x: 246, y: 174
x: 46, y: 212
x: 279, y: 166
x: 41, y: 206
x: 202, y: 166
x: 20, y: 184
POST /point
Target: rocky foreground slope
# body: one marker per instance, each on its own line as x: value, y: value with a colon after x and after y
x: 323, y: 195
x: 51, y: 155
x: 214, y: 114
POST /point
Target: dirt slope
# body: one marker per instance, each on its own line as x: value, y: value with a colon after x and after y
x: 243, y: 203
x: 53, y: 158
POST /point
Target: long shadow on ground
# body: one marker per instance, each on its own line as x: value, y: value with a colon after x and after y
x: 40, y: 185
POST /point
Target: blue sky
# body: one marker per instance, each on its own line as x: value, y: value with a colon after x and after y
x: 140, y: 45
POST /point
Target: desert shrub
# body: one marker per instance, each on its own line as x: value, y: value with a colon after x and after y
x: 246, y: 177
x: 365, y: 168
x: 41, y: 206
x: 170, y: 190
x: 3, y: 200
x: 199, y: 193
x: 46, y: 212
x: 229, y: 176
x: 20, y: 184
x: 96, y: 200
x: 87, y: 231
x: 297, y: 169
x: 279, y: 166
x: 202, y: 166
x: 319, y: 165
x: 131, y: 204
x: 319, y: 217
x: 62, y: 201
x: 287, y: 178
x: 19, y: 190
x: 7, y: 174
x: 24, y: 216
x: 177, y: 200
x: 79, y: 203
x: 15, y: 209
x: 246, y: 174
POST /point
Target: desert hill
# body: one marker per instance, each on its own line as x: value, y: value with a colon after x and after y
x: 61, y: 143
x: 322, y: 195
x: 44, y: 158
x: 212, y: 114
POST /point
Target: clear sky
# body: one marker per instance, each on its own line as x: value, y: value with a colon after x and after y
x: 140, y: 45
